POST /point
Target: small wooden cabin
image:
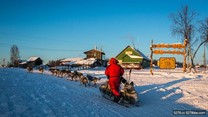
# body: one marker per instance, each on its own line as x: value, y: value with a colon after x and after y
x: 34, y: 61
x: 31, y: 62
x: 132, y: 58
x: 94, y: 53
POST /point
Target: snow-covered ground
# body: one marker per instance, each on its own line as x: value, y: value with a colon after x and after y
x: 33, y: 94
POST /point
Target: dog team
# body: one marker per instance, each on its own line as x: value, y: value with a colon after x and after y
x: 87, y: 80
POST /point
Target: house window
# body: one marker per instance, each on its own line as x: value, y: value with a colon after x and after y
x: 128, y: 52
x: 120, y: 61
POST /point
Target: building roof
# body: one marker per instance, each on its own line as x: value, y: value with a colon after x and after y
x: 134, y: 56
x: 31, y: 59
x: 94, y: 50
x: 81, y: 61
x: 23, y: 63
x: 71, y: 59
x: 145, y: 57
x: 87, y: 61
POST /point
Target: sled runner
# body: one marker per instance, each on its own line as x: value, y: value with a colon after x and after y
x: 128, y: 94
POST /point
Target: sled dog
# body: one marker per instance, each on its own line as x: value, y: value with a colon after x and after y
x: 29, y: 69
x: 92, y: 79
x: 83, y: 80
x: 41, y: 70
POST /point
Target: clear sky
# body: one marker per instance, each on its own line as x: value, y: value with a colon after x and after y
x: 56, y: 29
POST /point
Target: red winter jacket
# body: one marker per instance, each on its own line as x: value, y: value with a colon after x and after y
x: 114, y: 70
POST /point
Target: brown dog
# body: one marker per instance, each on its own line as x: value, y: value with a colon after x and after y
x: 83, y: 80
x: 30, y: 69
x: 41, y: 70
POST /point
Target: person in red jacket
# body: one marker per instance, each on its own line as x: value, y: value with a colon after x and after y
x: 114, y: 72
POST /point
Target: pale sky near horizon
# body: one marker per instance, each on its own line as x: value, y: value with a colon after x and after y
x: 57, y: 29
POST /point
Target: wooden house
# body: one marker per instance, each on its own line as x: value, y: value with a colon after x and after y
x: 34, y: 61
x: 31, y: 62
x: 132, y: 58
x: 94, y: 53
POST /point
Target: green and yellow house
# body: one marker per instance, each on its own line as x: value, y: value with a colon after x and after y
x: 132, y: 58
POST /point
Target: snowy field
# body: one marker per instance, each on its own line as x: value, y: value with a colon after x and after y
x: 24, y: 94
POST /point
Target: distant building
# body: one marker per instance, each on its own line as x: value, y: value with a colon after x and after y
x: 132, y: 58
x: 34, y: 61
x: 97, y: 55
x: 94, y: 58
x: 94, y: 53
x: 31, y: 62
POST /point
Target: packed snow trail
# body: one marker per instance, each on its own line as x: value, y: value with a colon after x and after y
x: 32, y: 94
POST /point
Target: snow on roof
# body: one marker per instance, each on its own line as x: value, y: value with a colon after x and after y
x: 143, y: 56
x: 86, y: 61
x: 68, y: 63
x: 22, y: 63
x: 32, y: 58
x: 134, y: 56
x: 71, y: 59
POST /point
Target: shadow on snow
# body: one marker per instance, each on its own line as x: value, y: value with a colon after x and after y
x: 162, y: 98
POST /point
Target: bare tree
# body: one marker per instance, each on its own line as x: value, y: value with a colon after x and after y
x: 183, y: 26
x: 14, y: 51
x: 203, y: 30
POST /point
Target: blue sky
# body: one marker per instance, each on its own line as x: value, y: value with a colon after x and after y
x: 56, y: 29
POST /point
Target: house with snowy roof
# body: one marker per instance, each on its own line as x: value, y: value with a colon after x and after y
x: 132, y: 58
x: 95, y: 53
x: 98, y: 55
x: 35, y: 61
x: 31, y: 62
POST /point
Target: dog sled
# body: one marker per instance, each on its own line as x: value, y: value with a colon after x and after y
x: 129, y: 96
